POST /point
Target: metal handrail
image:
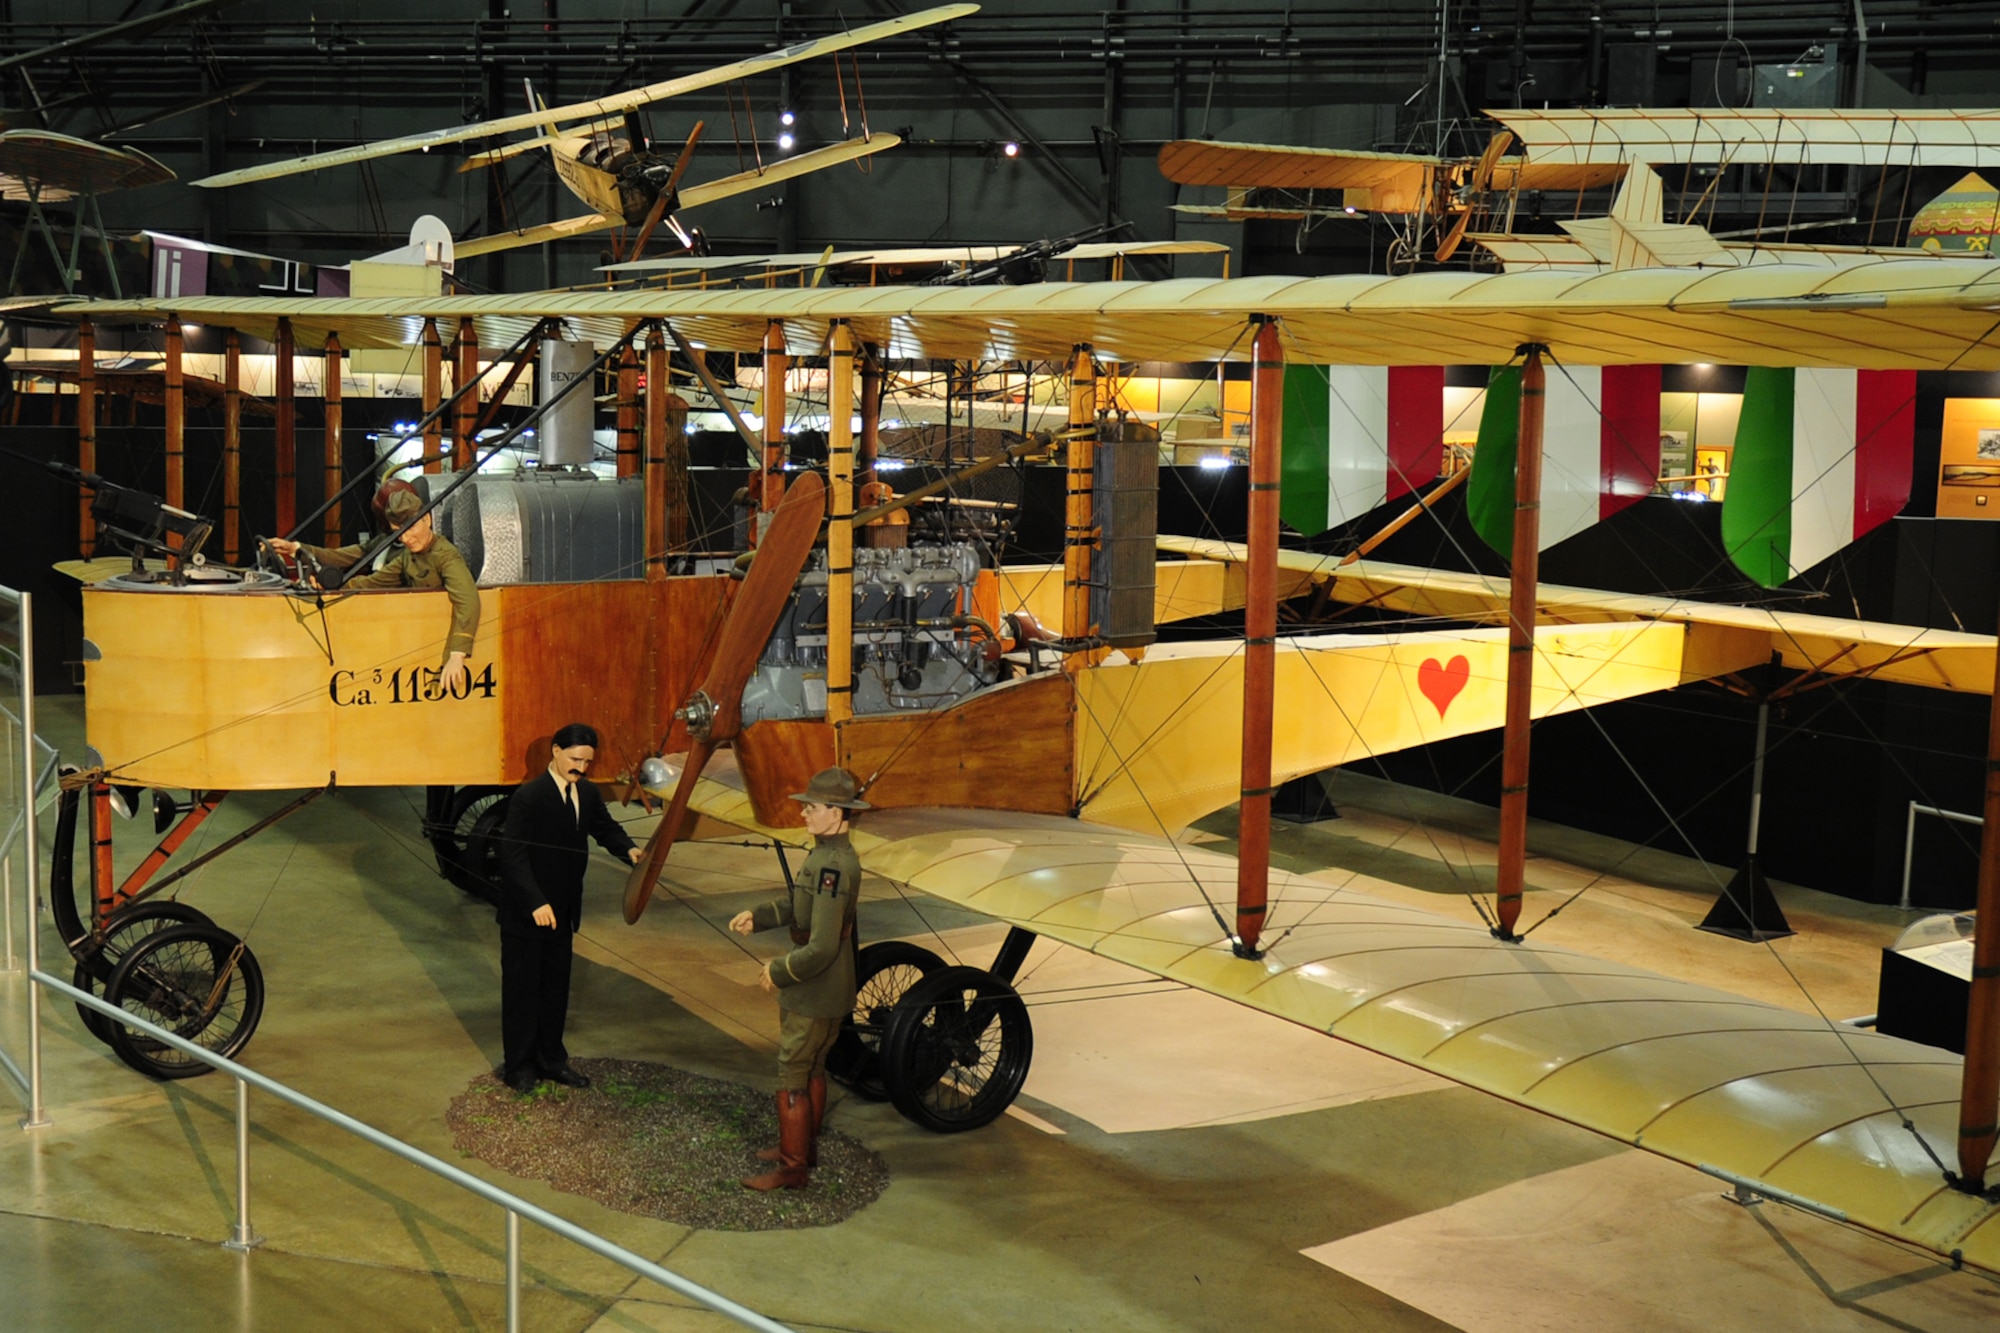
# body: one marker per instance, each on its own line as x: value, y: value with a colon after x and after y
x: 1910, y: 840
x: 515, y: 1206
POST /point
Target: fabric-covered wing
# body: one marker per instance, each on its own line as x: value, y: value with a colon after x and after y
x: 1906, y: 654
x: 1277, y: 167
x: 1697, y: 1075
x: 1917, y: 314
x: 1901, y: 136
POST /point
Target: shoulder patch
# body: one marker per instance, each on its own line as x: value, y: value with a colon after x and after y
x: 829, y: 881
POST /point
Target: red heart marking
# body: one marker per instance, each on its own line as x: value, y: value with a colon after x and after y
x: 1441, y: 683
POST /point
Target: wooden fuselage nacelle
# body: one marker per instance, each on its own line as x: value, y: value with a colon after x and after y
x: 606, y: 174
x: 255, y: 690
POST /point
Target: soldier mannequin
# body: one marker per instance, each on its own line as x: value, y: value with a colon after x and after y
x: 815, y: 981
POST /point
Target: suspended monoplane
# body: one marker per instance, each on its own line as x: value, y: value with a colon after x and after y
x: 1435, y: 204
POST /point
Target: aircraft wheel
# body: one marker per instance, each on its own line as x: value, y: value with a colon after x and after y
x: 467, y: 845
x: 1400, y: 258
x: 957, y: 1050
x: 199, y: 983
x: 97, y: 957
x: 883, y: 972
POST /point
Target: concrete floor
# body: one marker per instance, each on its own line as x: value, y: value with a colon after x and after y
x: 1175, y: 1163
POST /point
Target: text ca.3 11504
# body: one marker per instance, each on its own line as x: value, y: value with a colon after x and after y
x: 408, y: 685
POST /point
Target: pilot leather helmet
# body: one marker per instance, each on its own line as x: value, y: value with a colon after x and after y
x: 402, y: 507
x: 833, y: 786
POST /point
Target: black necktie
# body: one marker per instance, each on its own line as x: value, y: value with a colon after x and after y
x: 569, y: 795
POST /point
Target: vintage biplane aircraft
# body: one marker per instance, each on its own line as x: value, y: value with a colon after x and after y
x: 1046, y: 790
x: 1435, y: 205
x: 602, y: 153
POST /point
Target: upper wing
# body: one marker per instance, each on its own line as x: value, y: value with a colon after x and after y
x: 602, y: 107
x: 1903, y: 136
x: 1397, y: 182
x: 1701, y: 1076
x: 1880, y: 314
x: 60, y: 166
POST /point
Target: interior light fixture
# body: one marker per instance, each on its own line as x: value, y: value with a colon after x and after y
x: 786, y: 140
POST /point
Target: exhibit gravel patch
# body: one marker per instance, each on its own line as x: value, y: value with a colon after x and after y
x: 660, y: 1142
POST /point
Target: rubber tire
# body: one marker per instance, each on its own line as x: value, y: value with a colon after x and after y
x: 167, y: 978
x: 883, y: 974
x: 957, y: 1050
x: 481, y: 867
x: 458, y: 859
x: 95, y: 963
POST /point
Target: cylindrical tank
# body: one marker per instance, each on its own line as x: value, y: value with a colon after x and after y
x: 548, y: 528
x: 565, y: 433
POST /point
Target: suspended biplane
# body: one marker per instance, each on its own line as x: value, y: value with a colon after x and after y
x: 1047, y: 793
x: 1434, y: 205
x: 603, y: 155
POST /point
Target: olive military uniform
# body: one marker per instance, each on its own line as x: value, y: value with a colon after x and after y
x: 815, y: 980
x: 438, y: 566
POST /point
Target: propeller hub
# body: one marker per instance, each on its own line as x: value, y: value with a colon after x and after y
x: 699, y: 714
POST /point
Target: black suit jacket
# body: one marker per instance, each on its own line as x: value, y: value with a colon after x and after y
x: 544, y: 851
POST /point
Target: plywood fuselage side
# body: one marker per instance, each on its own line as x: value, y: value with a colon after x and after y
x: 250, y: 691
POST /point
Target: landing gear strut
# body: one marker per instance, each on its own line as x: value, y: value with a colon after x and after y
x: 954, y: 1048
x: 159, y: 960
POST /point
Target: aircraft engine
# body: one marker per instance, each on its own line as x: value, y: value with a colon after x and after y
x: 917, y: 645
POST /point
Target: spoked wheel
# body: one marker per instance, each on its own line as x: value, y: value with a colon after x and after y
x: 883, y: 972
x: 98, y: 954
x: 198, y: 982
x: 468, y: 844
x: 957, y: 1050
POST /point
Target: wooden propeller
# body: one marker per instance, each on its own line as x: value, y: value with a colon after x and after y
x: 665, y: 198
x: 1481, y: 183
x: 714, y: 713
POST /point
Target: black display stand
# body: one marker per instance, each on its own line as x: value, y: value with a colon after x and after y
x: 1302, y: 801
x: 1747, y: 910
x: 1921, y: 1003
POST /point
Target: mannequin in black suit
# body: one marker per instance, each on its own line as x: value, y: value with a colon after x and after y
x: 542, y: 859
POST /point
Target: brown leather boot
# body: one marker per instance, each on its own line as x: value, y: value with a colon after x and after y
x: 816, y: 1093
x: 794, y: 1143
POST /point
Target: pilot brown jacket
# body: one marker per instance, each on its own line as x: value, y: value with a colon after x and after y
x: 441, y: 566
x: 816, y: 979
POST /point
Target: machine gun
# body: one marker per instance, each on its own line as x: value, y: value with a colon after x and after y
x: 144, y: 524
x: 1029, y: 263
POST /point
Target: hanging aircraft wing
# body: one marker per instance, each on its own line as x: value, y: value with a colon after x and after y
x: 1796, y: 1103
x: 1395, y: 182
x: 52, y: 167
x: 1281, y: 167
x: 1902, y: 136
x: 1881, y: 314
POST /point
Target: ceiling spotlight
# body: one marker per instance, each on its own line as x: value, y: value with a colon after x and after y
x: 786, y: 140
x: 787, y: 118
x: 1010, y: 149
